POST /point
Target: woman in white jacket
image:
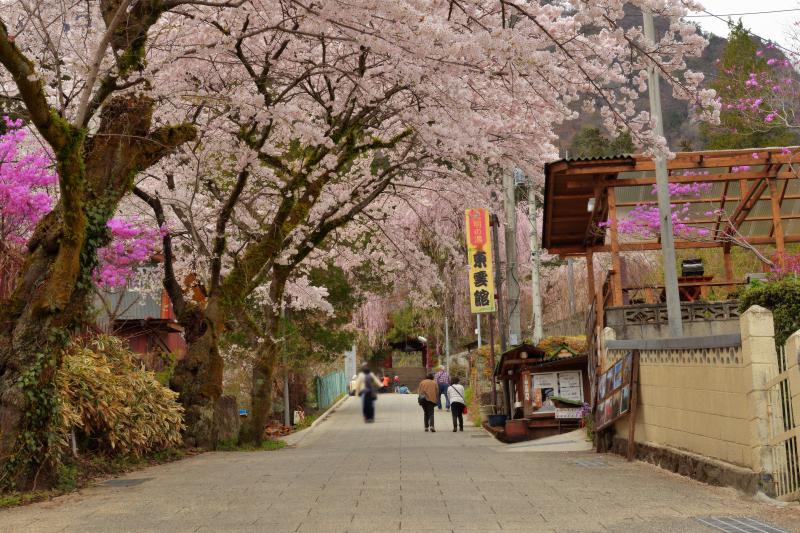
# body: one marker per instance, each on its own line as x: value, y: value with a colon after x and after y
x: 455, y: 393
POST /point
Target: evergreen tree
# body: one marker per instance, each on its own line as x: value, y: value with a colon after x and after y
x: 737, y: 129
x: 590, y: 142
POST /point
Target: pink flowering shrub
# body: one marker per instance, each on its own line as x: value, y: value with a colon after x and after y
x: 785, y: 265
x: 132, y: 243
x: 25, y: 176
x: 644, y: 221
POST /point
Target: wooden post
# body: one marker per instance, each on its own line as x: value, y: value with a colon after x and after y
x: 728, y: 260
x: 590, y: 273
x: 634, y: 406
x: 777, y: 227
x: 616, y: 264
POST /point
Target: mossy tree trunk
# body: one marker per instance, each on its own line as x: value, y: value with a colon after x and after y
x: 95, y: 170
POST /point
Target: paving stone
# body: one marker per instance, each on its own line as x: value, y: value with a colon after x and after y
x: 347, y: 476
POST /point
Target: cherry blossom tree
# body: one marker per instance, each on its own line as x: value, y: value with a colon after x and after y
x: 313, y: 117
x: 295, y: 126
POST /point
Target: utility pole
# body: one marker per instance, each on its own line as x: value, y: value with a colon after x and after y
x: 478, y: 329
x: 536, y: 260
x: 510, y: 208
x: 287, y: 415
x: 495, y: 224
x: 498, y: 282
x: 492, y: 361
x: 662, y: 184
x: 570, y: 287
x: 447, y: 344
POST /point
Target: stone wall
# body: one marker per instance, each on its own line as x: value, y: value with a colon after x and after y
x: 706, y: 395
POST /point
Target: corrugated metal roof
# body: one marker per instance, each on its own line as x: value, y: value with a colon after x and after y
x: 125, y: 304
x: 604, y: 158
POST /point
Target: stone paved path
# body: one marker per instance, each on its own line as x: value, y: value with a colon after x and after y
x: 346, y: 476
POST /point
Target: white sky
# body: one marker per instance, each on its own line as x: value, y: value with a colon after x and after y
x: 772, y: 26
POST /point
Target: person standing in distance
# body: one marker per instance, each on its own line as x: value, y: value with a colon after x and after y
x: 442, y: 381
x: 455, y: 395
x: 428, y: 393
x: 367, y: 386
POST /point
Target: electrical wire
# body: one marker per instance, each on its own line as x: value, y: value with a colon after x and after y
x: 740, y: 14
x: 750, y: 33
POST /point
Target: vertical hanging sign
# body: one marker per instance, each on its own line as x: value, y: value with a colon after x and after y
x: 479, y: 255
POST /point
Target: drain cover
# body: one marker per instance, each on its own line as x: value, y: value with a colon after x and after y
x: 590, y: 463
x: 126, y: 482
x: 739, y: 525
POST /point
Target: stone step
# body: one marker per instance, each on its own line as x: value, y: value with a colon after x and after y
x: 409, y: 376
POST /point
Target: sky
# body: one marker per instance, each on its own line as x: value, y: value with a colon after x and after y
x: 772, y: 26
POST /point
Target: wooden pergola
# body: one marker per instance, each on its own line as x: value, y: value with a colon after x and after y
x: 754, y: 191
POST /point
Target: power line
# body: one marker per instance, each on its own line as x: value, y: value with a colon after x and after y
x: 740, y: 14
x: 750, y: 33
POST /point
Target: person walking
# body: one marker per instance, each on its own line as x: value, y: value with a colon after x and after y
x: 455, y: 394
x: 367, y: 386
x: 442, y: 382
x: 428, y: 393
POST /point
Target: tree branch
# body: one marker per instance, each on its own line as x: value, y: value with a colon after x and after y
x: 31, y: 90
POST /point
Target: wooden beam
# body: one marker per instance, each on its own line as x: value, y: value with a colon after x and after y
x: 616, y: 263
x: 777, y: 226
x: 721, y: 207
x: 708, y: 178
x: 576, y: 250
x: 590, y: 273
x: 745, y: 206
x: 783, y: 197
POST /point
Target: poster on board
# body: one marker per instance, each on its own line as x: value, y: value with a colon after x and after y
x: 570, y: 385
x: 613, y: 399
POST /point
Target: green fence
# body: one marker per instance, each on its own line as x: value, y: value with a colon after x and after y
x: 329, y: 388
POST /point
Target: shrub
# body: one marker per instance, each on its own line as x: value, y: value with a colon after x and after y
x: 114, y: 404
x: 782, y: 297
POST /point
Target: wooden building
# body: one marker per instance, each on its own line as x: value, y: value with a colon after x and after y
x: 545, y: 393
x: 749, y: 198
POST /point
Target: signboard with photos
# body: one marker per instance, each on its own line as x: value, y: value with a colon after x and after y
x: 479, y: 256
x: 567, y: 385
x: 615, y: 388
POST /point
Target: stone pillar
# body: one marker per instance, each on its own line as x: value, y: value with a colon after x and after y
x: 759, y: 364
x: 608, y: 334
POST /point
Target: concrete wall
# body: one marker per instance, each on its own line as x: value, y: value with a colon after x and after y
x: 649, y: 321
x: 708, y: 401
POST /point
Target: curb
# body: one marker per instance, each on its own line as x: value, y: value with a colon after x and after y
x: 295, y: 438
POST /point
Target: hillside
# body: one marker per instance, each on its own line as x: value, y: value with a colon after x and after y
x: 681, y: 133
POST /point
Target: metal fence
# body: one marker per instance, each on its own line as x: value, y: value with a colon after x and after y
x: 784, y: 431
x: 329, y: 388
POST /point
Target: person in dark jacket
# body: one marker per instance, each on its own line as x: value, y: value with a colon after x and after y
x: 367, y: 386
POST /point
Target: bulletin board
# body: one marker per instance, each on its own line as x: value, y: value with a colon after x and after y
x: 616, y: 390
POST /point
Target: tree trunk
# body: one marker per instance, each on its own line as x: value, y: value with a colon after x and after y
x: 49, y: 302
x: 263, y: 372
x: 198, y: 376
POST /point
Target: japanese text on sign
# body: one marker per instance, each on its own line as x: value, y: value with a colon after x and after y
x: 479, y: 255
